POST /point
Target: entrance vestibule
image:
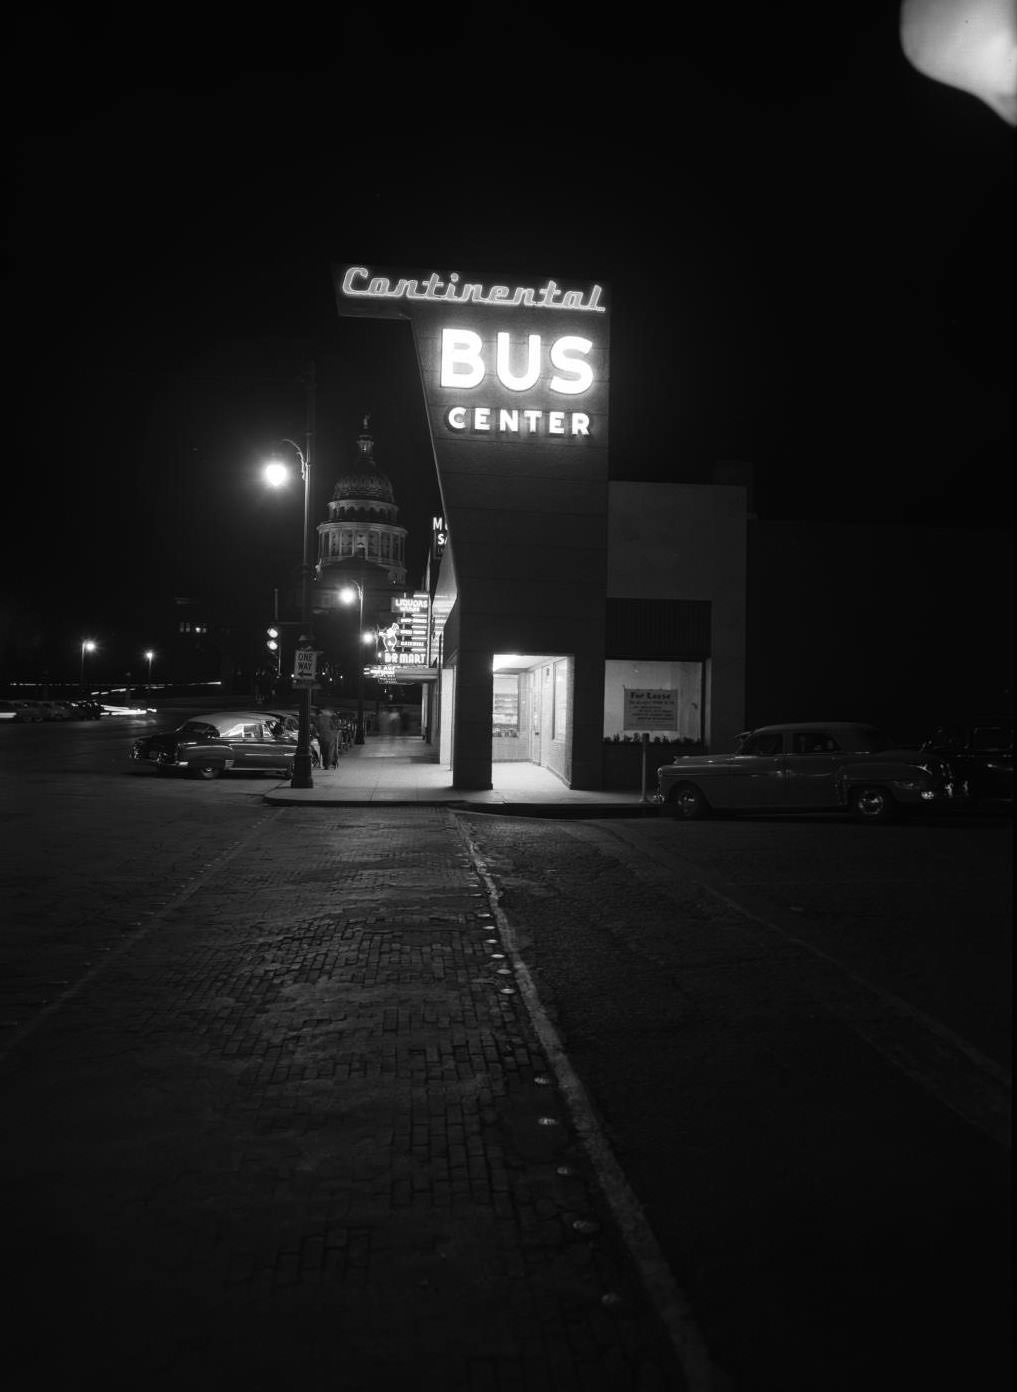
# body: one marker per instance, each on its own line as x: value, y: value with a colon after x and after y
x: 531, y: 717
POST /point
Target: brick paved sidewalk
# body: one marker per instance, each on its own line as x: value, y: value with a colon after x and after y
x: 294, y: 1136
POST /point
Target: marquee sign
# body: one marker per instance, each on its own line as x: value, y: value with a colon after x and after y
x: 359, y: 284
x: 500, y: 362
x: 404, y: 642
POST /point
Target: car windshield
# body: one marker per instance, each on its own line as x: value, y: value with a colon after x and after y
x: 197, y: 727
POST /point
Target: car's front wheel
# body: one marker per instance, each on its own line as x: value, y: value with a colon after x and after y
x: 688, y: 803
x: 873, y: 804
x: 206, y: 770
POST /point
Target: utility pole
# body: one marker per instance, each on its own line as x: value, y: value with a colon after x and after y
x: 302, y: 759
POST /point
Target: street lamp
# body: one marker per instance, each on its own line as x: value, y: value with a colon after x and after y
x: 87, y: 646
x: 148, y: 658
x: 354, y: 590
x: 276, y: 475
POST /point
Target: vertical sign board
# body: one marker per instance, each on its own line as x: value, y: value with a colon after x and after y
x: 305, y: 666
x: 515, y: 375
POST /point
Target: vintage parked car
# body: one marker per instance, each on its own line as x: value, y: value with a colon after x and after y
x: 87, y: 709
x: 808, y: 767
x: 980, y: 752
x: 32, y: 712
x: 29, y: 712
x: 209, y: 744
x: 60, y: 710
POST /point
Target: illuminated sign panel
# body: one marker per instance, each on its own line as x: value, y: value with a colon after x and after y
x: 357, y: 283
x: 405, y: 640
x: 501, y: 363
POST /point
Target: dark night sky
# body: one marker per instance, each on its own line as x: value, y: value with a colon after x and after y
x: 808, y: 246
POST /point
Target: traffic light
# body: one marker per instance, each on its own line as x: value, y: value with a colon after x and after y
x: 272, y: 643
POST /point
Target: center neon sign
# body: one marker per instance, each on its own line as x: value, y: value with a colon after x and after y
x: 463, y: 368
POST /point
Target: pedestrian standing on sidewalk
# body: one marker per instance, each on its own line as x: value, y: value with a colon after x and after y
x: 314, y: 737
x: 328, y: 738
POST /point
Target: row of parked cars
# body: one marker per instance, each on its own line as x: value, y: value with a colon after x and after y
x: 829, y: 766
x: 217, y: 742
x: 32, y: 712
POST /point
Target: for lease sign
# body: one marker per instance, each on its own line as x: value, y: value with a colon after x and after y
x: 650, y: 708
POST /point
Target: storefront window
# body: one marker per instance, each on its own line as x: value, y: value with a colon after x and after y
x: 663, y: 699
x: 505, y: 716
x: 559, y: 718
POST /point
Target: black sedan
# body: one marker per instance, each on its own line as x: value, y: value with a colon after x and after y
x: 980, y: 751
x: 209, y: 744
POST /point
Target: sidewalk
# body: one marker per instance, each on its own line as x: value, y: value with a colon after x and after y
x: 298, y: 1132
x: 402, y: 770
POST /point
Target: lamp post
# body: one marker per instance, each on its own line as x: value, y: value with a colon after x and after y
x: 354, y: 590
x: 148, y: 658
x: 87, y: 646
x: 276, y: 474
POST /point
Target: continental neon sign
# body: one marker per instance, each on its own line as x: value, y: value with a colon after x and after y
x: 434, y: 289
x: 501, y: 362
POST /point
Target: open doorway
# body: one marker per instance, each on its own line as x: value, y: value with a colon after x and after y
x: 531, y: 718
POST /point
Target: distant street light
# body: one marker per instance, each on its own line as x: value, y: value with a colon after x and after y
x: 87, y: 646
x: 349, y: 594
x: 276, y: 475
x: 148, y: 658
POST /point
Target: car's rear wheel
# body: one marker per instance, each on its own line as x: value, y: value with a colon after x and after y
x: 688, y: 803
x: 873, y: 804
x: 206, y: 770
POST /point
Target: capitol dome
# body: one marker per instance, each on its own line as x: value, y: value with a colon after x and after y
x: 366, y: 482
x: 362, y: 528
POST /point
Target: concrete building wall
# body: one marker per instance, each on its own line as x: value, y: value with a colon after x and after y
x: 688, y: 542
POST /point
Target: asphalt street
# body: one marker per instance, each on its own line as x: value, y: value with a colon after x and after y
x: 274, y: 1082
x: 824, y: 1161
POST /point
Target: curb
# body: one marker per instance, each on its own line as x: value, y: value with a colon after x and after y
x: 498, y: 809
